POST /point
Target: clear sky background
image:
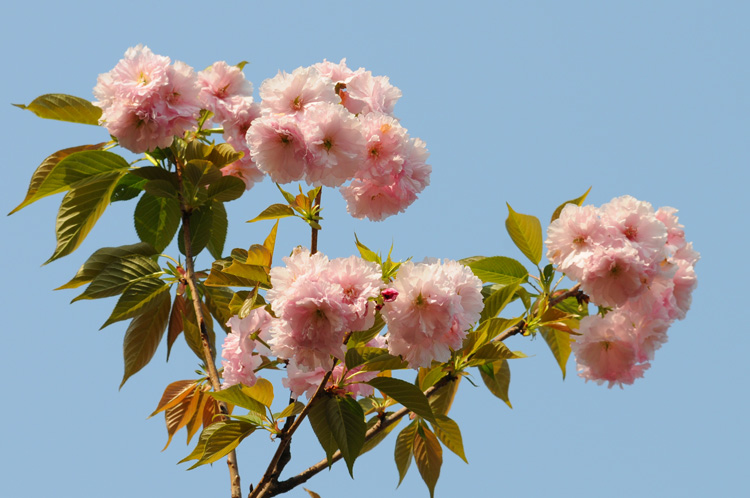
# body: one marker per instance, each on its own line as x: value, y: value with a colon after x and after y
x: 525, y: 102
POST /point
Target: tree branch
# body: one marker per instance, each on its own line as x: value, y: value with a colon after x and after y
x: 213, y: 374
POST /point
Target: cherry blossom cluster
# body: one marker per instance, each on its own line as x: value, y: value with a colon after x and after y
x: 633, y: 261
x: 316, y: 302
x: 325, y: 124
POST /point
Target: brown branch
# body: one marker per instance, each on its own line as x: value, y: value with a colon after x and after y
x: 314, y: 236
x: 521, y: 326
x: 284, y: 486
x: 213, y: 374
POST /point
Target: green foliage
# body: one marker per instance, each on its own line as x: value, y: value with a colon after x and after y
x: 428, y: 455
x: 405, y: 393
x: 157, y: 220
x: 497, y: 269
x: 41, y: 186
x: 526, y: 232
x: 201, y: 222
x: 223, y: 439
x: 192, y: 331
x: 237, y: 395
x: 559, y: 343
x: 319, y: 421
x: 496, y: 377
x: 498, y: 300
x: 347, y: 423
x: 144, y: 335
x: 64, y: 108
x: 219, y: 225
x: 449, y: 434
x: 138, y: 298
x: 102, y: 258
x: 362, y: 337
x: 274, y: 212
x: 129, y: 187
x: 578, y: 201
x: 404, y: 449
x: 118, y: 274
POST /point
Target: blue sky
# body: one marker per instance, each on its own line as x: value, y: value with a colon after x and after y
x: 522, y: 102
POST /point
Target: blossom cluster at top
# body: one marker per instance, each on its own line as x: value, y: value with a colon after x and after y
x: 631, y: 259
x: 428, y: 310
x: 325, y: 124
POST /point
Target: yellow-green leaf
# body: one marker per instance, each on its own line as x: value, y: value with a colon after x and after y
x: 526, y: 232
x: 143, y: 337
x: 449, y: 434
x: 496, y: 377
x: 577, y: 201
x: 274, y: 212
x: 404, y: 449
x: 64, y: 108
x: 428, y: 455
x: 559, y: 343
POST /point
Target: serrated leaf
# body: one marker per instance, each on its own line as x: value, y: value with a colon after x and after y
x: 365, y: 252
x: 217, y: 301
x: 173, y: 394
x: 219, y: 225
x: 498, y: 269
x: 225, y: 189
x: 180, y: 414
x: 223, y: 154
x: 161, y: 188
x: 129, y: 187
x: 274, y: 212
x: 347, y: 422
x: 64, y: 108
x: 262, y: 391
x: 218, y: 278
x: 498, y: 300
x: 428, y: 455
x: 442, y: 400
x: 156, y: 220
x: 248, y: 272
x: 577, y: 201
x: 449, y: 434
x: 103, y: 257
x: 384, y: 362
x: 42, y: 173
x: 405, y: 393
x: 174, y: 329
x: 143, y: 337
x: 156, y: 173
x: 291, y: 410
x: 118, y: 275
x: 495, y: 351
x: 356, y: 356
x: 200, y: 448
x: 496, y: 377
x: 526, y: 232
x: 404, y: 449
x: 80, y: 209
x: 224, y: 439
x: 140, y: 297
x: 560, y: 344
x: 319, y: 422
x: 236, y: 396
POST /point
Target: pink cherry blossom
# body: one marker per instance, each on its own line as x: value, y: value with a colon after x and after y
x: 634, y: 222
x: 239, y: 361
x: 572, y: 237
x: 293, y: 93
x: 222, y: 89
x: 278, y: 148
x: 614, y: 275
x: 436, y: 305
x: 366, y: 93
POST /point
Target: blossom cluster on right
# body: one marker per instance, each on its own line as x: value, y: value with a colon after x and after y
x: 635, y: 263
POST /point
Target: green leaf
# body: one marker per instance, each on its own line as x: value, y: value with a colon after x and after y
x: 157, y: 220
x: 270, y: 242
x: 526, y: 232
x: 102, y: 258
x: 262, y: 391
x: 365, y: 252
x: 219, y: 226
x: 200, y: 448
x: 44, y: 170
x: 224, y: 439
x: 498, y: 269
x: 362, y: 337
x: 129, y: 187
x: 496, y: 377
x: 138, y: 298
x: 64, y: 108
x: 404, y: 449
x: 428, y: 455
x: 448, y: 432
x: 358, y: 355
x: 238, y: 397
x: 161, y: 188
x: 577, y: 201
x: 290, y: 199
x: 377, y: 438
x: 117, y: 275
x: 223, y: 154
x: 217, y: 301
x: 274, y: 212
x: 559, y: 343
x: 495, y: 351
x: 219, y: 278
x: 201, y: 221
x: 442, y: 400
x: 175, y: 321
x: 225, y: 189
x: 152, y: 173
x: 405, y: 393
x: 80, y: 210
x: 498, y: 300
x: 143, y: 337
x: 384, y: 362
x: 489, y: 329
x: 319, y: 421
x: 247, y: 272
x: 347, y: 422
x: 291, y: 410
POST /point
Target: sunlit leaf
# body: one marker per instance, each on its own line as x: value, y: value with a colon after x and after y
x: 442, y: 400
x: 262, y: 391
x: 274, y: 212
x: 102, y: 258
x: 173, y: 394
x: 347, y: 422
x: 428, y: 455
x: 405, y: 393
x: 217, y: 301
x: 140, y: 297
x: 180, y: 414
x: 377, y: 438
x: 498, y: 269
x: 498, y: 300
x: 291, y: 410
x: 404, y: 449
x: 236, y: 395
x: 224, y: 439
x: 129, y: 187
x: 496, y: 377
x: 577, y: 201
x: 200, y: 448
x: 64, y: 108
x: 157, y: 220
x: 526, y: 232
x: 118, y: 274
x: 559, y: 343
x: 450, y: 435
x: 219, y: 226
x: 225, y: 189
